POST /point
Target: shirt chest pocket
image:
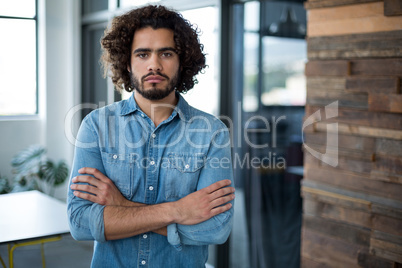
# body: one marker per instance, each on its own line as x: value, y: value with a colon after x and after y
x: 182, y: 174
x: 119, y: 168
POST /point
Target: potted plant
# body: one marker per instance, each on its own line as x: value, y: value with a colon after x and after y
x: 32, y: 169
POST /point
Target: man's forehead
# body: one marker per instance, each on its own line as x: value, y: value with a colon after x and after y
x: 153, y: 38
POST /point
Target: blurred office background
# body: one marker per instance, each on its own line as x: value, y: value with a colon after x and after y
x: 256, y: 82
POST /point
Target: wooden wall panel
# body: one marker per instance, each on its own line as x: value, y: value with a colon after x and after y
x: 358, y: 18
x: 311, y: 4
x: 372, y: 45
x: 392, y: 7
x: 352, y: 211
x: 373, y: 85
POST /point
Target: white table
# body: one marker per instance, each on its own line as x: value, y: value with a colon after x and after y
x: 31, y: 217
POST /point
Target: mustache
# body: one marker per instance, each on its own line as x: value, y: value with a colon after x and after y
x: 152, y: 73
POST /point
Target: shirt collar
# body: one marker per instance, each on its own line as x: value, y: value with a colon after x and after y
x: 183, y: 109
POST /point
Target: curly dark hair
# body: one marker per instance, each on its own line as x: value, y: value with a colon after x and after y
x: 117, y: 40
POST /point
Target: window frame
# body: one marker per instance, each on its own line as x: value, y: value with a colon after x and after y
x: 36, y: 114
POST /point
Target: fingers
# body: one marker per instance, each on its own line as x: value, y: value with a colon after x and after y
x: 87, y: 179
x: 93, y: 171
x: 217, y: 185
x: 222, y: 192
x: 220, y: 209
x: 222, y: 200
x: 85, y: 196
x: 84, y: 187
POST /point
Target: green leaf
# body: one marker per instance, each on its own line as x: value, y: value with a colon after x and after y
x: 28, y: 161
x: 4, y: 185
x: 55, y: 174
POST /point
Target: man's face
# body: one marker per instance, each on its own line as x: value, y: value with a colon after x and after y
x: 154, y: 67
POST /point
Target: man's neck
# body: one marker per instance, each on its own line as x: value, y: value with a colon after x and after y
x: 157, y: 110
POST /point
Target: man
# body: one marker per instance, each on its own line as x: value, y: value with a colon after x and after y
x: 152, y: 178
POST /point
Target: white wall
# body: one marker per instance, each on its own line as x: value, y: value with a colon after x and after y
x: 61, y: 81
x: 58, y: 87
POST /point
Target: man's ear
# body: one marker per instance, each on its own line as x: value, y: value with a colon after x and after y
x: 129, y: 68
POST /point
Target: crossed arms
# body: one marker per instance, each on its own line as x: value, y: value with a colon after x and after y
x: 98, y: 211
x: 124, y: 218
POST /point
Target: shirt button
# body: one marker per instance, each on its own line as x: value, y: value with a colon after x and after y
x: 152, y: 163
x: 153, y: 135
x: 145, y: 236
x: 142, y: 115
x: 143, y: 262
x: 115, y: 156
x: 150, y: 188
x: 187, y: 166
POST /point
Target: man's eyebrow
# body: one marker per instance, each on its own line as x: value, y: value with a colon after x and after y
x: 167, y: 49
x: 162, y: 49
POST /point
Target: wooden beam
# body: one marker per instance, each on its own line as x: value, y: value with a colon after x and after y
x: 386, y: 176
x: 366, y: 67
x: 352, y: 129
x: 357, y: 143
x: 366, y: 259
x: 340, y: 13
x: 391, y: 103
x: 341, y: 152
x: 327, y: 68
x: 359, y: 118
x: 352, y: 46
x: 325, y: 249
x: 378, y: 67
x: 373, y: 85
x: 388, y: 163
x: 392, y: 7
x: 353, y: 19
x: 353, y: 181
x: 326, y: 83
x: 309, y: 263
x: 389, y: 147
x: 352, y: 234
x: 334, y: 3
x: 387, y: 224
x: 335, y: 199
x: 377, y: 40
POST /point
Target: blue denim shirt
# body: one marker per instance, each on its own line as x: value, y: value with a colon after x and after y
x: 151, y: 165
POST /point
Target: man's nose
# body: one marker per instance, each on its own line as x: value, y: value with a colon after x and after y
x: 154, y: 63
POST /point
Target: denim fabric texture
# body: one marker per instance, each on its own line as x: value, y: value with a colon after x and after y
x: 151, y: 165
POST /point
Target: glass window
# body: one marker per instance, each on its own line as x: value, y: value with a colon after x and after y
x: 284, y: 53
x: 89, y: 6
x: 130, y: 3
x: 251, y: 50
x: 18, y: 8
x: 18, y: 68
x: 250, y: 80
x: 284, y: 82
x: 205, y: 94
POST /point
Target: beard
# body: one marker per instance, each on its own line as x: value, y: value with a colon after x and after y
x: 154, y: 93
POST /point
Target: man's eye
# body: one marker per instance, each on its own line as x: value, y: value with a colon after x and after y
x: 167, y: 54
x: 142, y: 55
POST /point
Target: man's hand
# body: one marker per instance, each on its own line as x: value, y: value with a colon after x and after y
x: 100, y: 190
x: 194, y: 208
x: 103, y: 191
x: 205, y: 203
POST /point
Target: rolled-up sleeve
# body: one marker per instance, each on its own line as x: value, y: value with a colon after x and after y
x: 85, y: 217
x: 216, y: 230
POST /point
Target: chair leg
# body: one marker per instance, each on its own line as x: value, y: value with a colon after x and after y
x: 42, y: 251
x: 34, y: 242
x: 2, y: 262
